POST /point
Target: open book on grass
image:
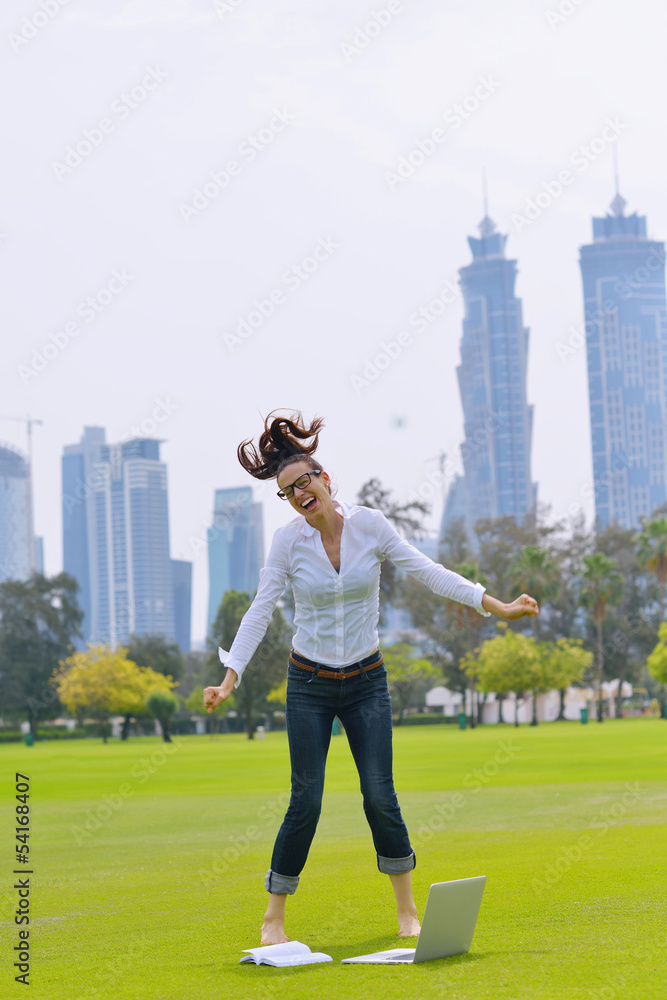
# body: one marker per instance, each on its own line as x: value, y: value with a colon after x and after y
x: 287, y: 953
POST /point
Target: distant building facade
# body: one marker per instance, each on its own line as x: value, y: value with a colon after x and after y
x: 182, y: 580
x: 15, y: 558
x: 498, y: 422
x: 235, y: 546
x: 623, y: 276
x: 116, y: 537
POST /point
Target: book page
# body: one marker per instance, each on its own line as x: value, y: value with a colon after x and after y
x: 276, y: 951
x: 307, y: 959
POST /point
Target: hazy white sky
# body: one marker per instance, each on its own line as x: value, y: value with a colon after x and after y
x: 159, y: 95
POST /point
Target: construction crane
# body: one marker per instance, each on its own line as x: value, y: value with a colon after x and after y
x: 29, y: 421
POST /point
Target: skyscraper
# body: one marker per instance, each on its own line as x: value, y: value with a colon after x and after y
x: 79, y: 474
x: 182, y: 578
x: 498, y: 421
x: 14, y: 515
x: 116, y: 537
x: 235, y: 546
x: 623, y: 276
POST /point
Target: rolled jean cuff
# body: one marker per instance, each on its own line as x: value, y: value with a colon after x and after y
x: 397, y: 866
x: 280, y: 884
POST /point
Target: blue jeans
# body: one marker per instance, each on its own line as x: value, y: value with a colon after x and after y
x: 363, y: 705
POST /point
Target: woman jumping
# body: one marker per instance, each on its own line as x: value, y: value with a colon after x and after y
x: 331, y: 554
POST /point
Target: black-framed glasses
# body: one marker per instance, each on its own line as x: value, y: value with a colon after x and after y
x: 300, y: 483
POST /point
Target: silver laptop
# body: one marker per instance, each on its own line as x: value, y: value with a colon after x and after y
x: 447, y: 928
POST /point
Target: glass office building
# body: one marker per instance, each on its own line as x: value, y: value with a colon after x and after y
x: 116, y: 537
x: 14, y: 515
x: 498, y: 422
x: 235, y: 546
x: 623, y: 274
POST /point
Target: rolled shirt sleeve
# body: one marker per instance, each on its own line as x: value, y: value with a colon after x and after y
x: 252, y: 629
x: 436, y: 577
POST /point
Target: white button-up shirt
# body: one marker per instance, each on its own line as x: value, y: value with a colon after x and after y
x: 336, y: 613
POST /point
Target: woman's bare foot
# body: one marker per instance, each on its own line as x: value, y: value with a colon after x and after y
x: 408, y: 925
x: 273, y: 928
x: 273, y: 932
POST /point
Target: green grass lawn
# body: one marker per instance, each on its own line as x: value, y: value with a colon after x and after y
x: 158, y: 897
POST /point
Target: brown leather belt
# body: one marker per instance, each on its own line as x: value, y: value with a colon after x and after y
x: 336, y: 675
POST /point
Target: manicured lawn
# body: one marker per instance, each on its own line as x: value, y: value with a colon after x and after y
x: 158, y: 900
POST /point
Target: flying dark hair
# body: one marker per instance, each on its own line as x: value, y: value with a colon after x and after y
x: 283, y: 441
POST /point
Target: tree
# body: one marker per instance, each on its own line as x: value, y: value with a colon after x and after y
x: 630, y: 629
x: 500, y: 544
x: 454, y: 547
x: 102, y: 682
x: 39, y: 620
x: 160, y: 654
x: 267, y: 666
x: 564, y: 662
x: 469, y: 624
x: 404, y: 673
x: 162, y: 705
x: 657, y: 664
x: 602, y: 586
x: 566, y: 617
x: 534, y: 572
x: 510, y: 662
x: 652, y: 552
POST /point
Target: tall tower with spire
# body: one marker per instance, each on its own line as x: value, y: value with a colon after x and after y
x: 623, y: 276
x: 498, y: 421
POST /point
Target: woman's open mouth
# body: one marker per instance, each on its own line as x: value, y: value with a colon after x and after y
x: 310, y: 503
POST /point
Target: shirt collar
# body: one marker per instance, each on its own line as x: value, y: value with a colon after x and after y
x: 346, y: 509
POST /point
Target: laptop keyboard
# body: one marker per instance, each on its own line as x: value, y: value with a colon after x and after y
x: 402, y: 956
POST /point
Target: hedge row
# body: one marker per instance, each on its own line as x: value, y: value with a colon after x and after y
x: 44, y: 734
x: 427, y: 720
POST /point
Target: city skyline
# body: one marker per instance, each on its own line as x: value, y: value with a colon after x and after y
x: 116, y: 537
x: 196, y: 263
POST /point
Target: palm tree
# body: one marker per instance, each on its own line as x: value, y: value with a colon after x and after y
x: 652, y: 553
x: 535, y: 573
x: 602, y: 587
x: 467, y: 618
